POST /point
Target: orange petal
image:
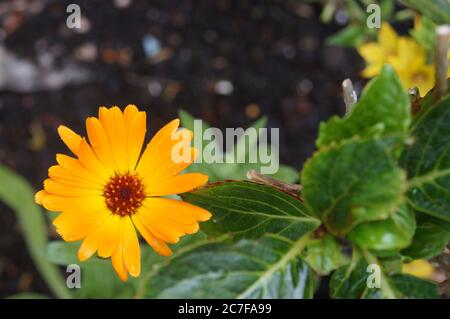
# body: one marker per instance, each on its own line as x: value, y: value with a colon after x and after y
x: 110, y: 237
x: 55, y: 188
x: 177, y: 210
x: 39, y: 196
x: 117, y: 258
x: 129, y: 114
x: 56, y: 203
x: 90, y: 244
x: 76, y: 224
x: 114, y: 126
x: 70, y: 138
x: 89, y: 160
x: 63, y: 176
x: 131, y: 250
x: 154, y: 217
x: 100, y: 144
x: 158, y: 150
x: 175, y: 184
x: 164, y: 236
x: 136, y: 136
x: 74, y: 165
x: 158, y: 245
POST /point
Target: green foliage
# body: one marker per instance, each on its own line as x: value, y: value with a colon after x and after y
x: 324, y: 254
x: 389, y: 235
x: 351, y: 36
x: 383, y: 110
x: 436, y: 10
x: 428, y: 161
x: 98, y: 279
x: 351, y: 183
x: 18, y: 194
x: 430, y: 238
x: 269, y: 267
x: 350, y: 282
x: 356, y: 31
x: 377, y: 186
x: 425, y: 35
x: 249, y: 210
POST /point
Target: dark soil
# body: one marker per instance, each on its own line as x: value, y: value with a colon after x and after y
x: 272, y: 52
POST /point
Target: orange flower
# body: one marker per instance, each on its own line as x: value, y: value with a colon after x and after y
x: 110, y: 189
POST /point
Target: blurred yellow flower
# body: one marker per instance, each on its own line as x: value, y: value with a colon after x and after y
x: 109, y: 190
x: 411, y: 67
x: 405, y: 55
x: 376, y: 54
x: 419, y: 268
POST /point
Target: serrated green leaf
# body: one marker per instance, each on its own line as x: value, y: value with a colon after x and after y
x: 349, y: 282
x: 347, y: 184
x: 391, y: 234
x: 352, y: 281
x: 428, y: 162
x: 267, y: 268
x: 430, y: 238
x: 250, y: 210
x: 414, y: 288
x: 324, y: 254
x: 18, y: 194
x: 437, y: 10
x: 383, y: 110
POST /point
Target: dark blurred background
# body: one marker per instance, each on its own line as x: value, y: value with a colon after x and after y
x: 227, y: 62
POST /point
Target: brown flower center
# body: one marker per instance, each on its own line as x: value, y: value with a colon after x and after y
x: 124, y: 194
x: 419, y: 77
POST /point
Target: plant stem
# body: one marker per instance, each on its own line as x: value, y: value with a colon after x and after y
x: 263, y: 179
x: 441, y: 64
x: 349, y: 93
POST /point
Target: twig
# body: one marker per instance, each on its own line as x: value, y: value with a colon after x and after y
x: 441, y: 64
x: 263, y: 179
x: 350, y: 97
x: 414, y: 96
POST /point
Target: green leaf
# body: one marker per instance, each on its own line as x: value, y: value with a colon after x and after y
x: 351, y: 36
x: 390, y: 235
x: 347, y: 184
x: 414, y: 288
x: 98, y: 279
x: 250, y: 210
x: 18, y: 194
x: 349, y: 282
x: 436, y: 10
x: 267, y: 268
x: 428, y: 162
x: 383, y: 110
x: 430, y: 238
x: 324, y: 254
x: 425, y: 35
